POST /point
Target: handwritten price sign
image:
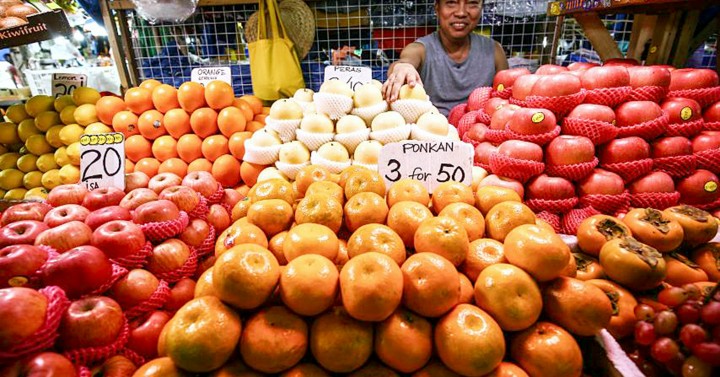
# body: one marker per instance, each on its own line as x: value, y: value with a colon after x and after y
x: 102, y: 160
x: 66, y: 83
x: 352, y: 75
x: 206, y: 75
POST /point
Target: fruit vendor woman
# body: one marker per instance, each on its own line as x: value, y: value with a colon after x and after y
x: 451, y: 61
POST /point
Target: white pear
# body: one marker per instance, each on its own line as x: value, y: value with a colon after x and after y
x: 304, y: 95
x: 265, y: 138
x: 416, y: 92
x: 294, y: 152
x: 349, y: 123
x: 434, y: 123
x: 334, y: 151
x: 336, y: 87
x: 387, y: 120
x: 368, y: 152
x: 377, y: 84
x: 286, y: 109
x: 367, y: 95
x: 478, y: 174
x: 271, y: 173
x: 317, y: 123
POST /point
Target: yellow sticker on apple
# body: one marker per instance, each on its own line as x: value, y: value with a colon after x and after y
x: 711, y: 186
x: 17, y: 281
x: 613, y: 122
x: 538, y: 117
x: 686, y: 113
x: 500, y: 87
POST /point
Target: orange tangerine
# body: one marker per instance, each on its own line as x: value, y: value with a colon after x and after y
x: 106, y: 108
x: 177, y: 123
x: 219, y: 95
x: 200, y: 164
x: 253, y: 126
x: 245, y: 107
x: 255, y: 103
x: 236, y: 144
x: 214, y: 146
x: 226, y: 170
x: 203, y: 122
x: 249, y: 172
x: 164, y: 148
x: 164, y: 98
x: 151, y: 124
x: 150, y: 84
x: 125, y: 122
x: 148, y: 165
x: 191, y: 96
x: 174, y: 165
x: 138, y: 100
x: 137, y: 148
x: 230, y: 120
x: 189, y: 147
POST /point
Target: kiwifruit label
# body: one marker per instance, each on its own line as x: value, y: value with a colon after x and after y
x: 500, y: 87
x: 711, y: 186
x: 538, y: 117
x: 686, y: 113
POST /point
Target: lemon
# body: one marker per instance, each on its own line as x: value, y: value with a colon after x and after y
x: 69, y: 174
x: 47, y: 119
x: 9, y: 133
x: 16, y: 113
x: 85, y: 114
x: 37, y: 145
x: 15, y: 194
x: 37, y: 193
x: 32, y: 179
x: 53, y: 136
x: 9, y: 160
x: 51, y: 179
x: 38, y: 104
x: 62, y: 102
x: 67, y: 115
x: 26, y: 129
x: 47, y: 162
x: 71, y: 133
x: 27, y: 163
x: 61, y: 157
x: 11, y: 178
x: 85, y: 95
x: 97, y: 128
x: 73, y: 153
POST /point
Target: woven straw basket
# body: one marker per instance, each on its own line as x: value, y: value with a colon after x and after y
x: 299, y: 23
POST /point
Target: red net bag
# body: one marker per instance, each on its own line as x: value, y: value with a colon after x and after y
x: 468, y: 140
x: 711, y: 126
x: 84, y: 371
x: 631, y: 169
x: 118, y: 272
x: 156, y: 301
x: 571, y: 220
x: 552, y: 206
x: 705, y: 96
x: 539, y: 139
x: 483, y: 117
x: 595, y: 130
x: 505, y: 93
x: 456, y: 113
x: 657, y: 200
x: 550, y: 218
x: 519, y: 102
x: 136, y: 260
x: 479, y: 97
x: 201, y: 209
x: 34, y: 281
x: 186, y: 270
x: 709, y: 207
x: 45, y: 336
x: 676, y: 166
x: 687, y: 129
x: 561, y: 105
x: 133, y: 356
x: 90, y: 355
x: 648, y: 93
x: 217, y: 196
x: 607, y: 204
x: 160, y: 231
x: 484, y: 166
x: 208, y: 246
x: 466, y: 122
x: 647, y: 130
x: 514, y: 168
x: 610, y: 97
x: 709, y: 160
x: 572, y: 172
x: 495, y: 136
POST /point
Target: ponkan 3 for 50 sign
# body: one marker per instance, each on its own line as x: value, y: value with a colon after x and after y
x: 102, y: 160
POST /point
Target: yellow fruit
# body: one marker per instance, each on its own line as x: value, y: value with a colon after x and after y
x: 15, y: 194
x: 47, y: 119
x: 73, y: 153
x: 16, y: 113
x: 53, y: 136
x: 69, y: 174
x: 9, y: 133
x: 85, y: 114
x: 11, y: 178
x: 27, y: 163
x: 26, y: 129
x: 47, y: 162
x: 61, y: 157
x: 67, y: 115
x: 71, y: 133
x: 51, y: 179
x: 32, y: 179
x: 37, y: 193
x: 62, y: 102
x: 38, y: 104
x: 9, y: 160
x: 85, y: 94
x: 37, y: 145
x: 97, y: 128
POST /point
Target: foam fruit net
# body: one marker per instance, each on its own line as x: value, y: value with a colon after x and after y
x: 676, y: 166
x: 156, y: 301
x: 552, y: 206
x: 648, y: 93
x: 160, y: 231
x: 610, y: 204
x: 514, y: 168
x: 572, y: 172
x: 550, y: 218
x: 610, y: 97
x: 571, y: 220
x: 658, y: 200
x: 597, y: 131
x: 630, y: 170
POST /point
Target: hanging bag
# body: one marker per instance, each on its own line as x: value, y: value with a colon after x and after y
x: 274, y: 65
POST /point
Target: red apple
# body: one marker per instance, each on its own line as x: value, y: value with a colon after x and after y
x: 671, y: 146
x: 66, y: 194
x: 66, y: 213
x: 90, y: 322
x: 506, y: 78
x: 168, y: 256
x: 712, y: 113
x: 18, y: 263
x: 700, y: 187
x: 649, y: 76
x: 202, y: 182
x: 494, y: 180
x: 115, y: 366
x: 78, y: 271
x: 107, y: 214
x: 601, y: 182
x: 22, y: 313
x: 681, y: 110
x: 523, y: 86
x: 185, y: 198
x: 550, y: 188
x: 42, y: 364
x: 66, y: 236
x: 180, y: 294
x: 156, y: 211
x: 706, y: 140
x: 162, y: 181
x: 502, y: 116
x: 569, y: 150
x: 523, y: 150
x: 118, y: 239
x: 550, y: 69
x: 25, y: 211
x: 605, y: 77
x: 218, y: 217
x: 556, y: 85
x: 23, y: 232
x: 592, y: 111
x: 476, y: 132
x: 693, y: 78
x: 138, y: 196
x: 529, y: 121
x: 144, y: 335
x: 135, y: 180
x: 195, y: 233
x: 623, y: 150
x: 231, y: 198
x: 622, y: 62
x: 103, y: 197
x: 581, y: 66
x: 635, y: 112
x: 656, y: 181
x: 483, y: 151
x: 494, y: 104
x: 134, y: 288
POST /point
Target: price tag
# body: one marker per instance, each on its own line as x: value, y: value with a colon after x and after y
x: 430, y: 162
x: 206, y: 75
x: 102, y: 160
x: 352, y: 75
x: 66, y: 83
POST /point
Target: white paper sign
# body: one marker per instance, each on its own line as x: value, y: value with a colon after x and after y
x: 66, y: 83
x: 206, y: 75
x: 352, y: 75
x: 102, y: 160
x: 430, y: 162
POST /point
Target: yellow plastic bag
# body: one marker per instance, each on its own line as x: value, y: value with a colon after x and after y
x: 274, y: 65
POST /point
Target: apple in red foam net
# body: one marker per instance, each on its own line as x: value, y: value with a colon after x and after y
x: 549, y: 188
x: 66, y: 236
x: 506, y: 78
x: 581, y: 66
x: 671, y: 146
x: 66, y: 194
x: 483, y: 151
x: 202, y: 182
x: 523, y: 86
x: 693, y: 78
x: 168, y: 256
x: 556, y: 85
x: 218, y: 217
x: 701, y: 187
x: 712, y: 113
x: 591, y: 111
x: 494, y: 104
x: 502, y: 116
x: 476, y: 132
x: 182, y: 292
x: 138, y: 196
x: 135, y: 180
x: 656, y: 181
x: 529, y: 121
x: 90, y: 322
x: 156, y: 211
x: 569, y: 150
x: 623, y: 62
x: 196, y: 232
x: 103, y: 197
x: 164, y: 180
x: 107, y: 214
x: 144, y: 335
x: 66, y: 213
x: 118, y: 238
x: 185, y: 198
x: 681, y: 110
x: 18, y: 263
x: 22, y: 313
x: 134, y: 288
x: 494, y: 180
x: 625, y: 149
x: 652, y: 75
x: 25, y: 211
x: 550, y: 69
x: 706, y: 140
x: 23, y: 232
x: 635, y: 112
x: 601, y: 182
x: 522, y: 150
x: 78, y: 271
x: 231, y: 197
x: 605, y: 77
x: 42, y: 364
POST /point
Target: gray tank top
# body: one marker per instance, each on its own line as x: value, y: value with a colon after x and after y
x: 449, y: 83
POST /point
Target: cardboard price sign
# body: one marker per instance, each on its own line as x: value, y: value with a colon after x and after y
x: 430, y: 162
x: 352, y: 75
x: 66, y: 83
x: 206, y: 75
x: 102, y: 160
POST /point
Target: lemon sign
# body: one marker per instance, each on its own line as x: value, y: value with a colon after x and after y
x: 102, y: 160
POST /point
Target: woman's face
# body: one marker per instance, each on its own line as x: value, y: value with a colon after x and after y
x: 458, y: 18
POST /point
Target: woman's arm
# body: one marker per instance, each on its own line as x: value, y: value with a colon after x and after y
x: 501, y: 62
x: 404, y: 71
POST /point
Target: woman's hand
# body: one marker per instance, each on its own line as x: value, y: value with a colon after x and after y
x: 402, y: 73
